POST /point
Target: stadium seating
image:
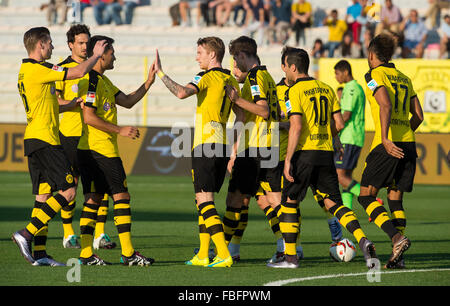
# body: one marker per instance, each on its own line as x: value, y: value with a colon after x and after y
x: 151, y: 29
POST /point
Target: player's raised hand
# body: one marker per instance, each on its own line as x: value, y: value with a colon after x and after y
x: 129, y: 131
x: 151, y: 74
x: 157, y: 62
x: 287, y: 171
x: 392, y: 149
x: 99, y: 48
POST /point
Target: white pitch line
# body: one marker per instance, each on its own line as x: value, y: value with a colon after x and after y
x: 296, y: 280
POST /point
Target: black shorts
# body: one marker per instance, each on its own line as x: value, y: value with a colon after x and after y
x: 271, y: 179
x: 50, y: 170
x: 350, y: 158
x: 208, y: 173
x: 70, y: 145
x: 101, y: 174
x: 321, y: 177
x: 384, y: 170
x: 245, y: 175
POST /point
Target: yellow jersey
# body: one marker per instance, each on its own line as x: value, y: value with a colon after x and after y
x: 284, y: 134
x: 259, y: 85
x: 213, y: 105
x: 99, y: 93
x: 316, y: 102
x: 36, y: 84
x: 400, y: 92
x: 70, y: 121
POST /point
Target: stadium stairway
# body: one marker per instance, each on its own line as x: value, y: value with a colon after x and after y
x: 135, y: 48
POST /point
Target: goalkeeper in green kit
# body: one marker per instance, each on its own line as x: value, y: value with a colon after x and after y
x: 352, y: 136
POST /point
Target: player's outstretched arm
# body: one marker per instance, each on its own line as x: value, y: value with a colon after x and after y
x: 86, y: 66
x: 68, y: 105
x: 260, y: 108
x: 128, y: 101
x: 382, y: 98
x: 417, y: 113
x: 181, y: 92
x: 90, y: 118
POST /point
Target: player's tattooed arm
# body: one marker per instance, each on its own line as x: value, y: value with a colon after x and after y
x: 178, y: 90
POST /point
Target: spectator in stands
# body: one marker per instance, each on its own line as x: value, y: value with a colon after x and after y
x: 347, y: 48
x: 415, y: 34
x: 445, y: 35
x: 390, y: 18
x: 434, y: 11
x: 223, y: 11
x: 280, y: 21
x: 301, y: 19
x: 337, y: 29
x: 99, y: 6
x: 128, y: 8
x: 83, y: 4
x: 179, y: 12
x: 56, y: 11
x: 238, y: 6
x: 352, y: 18
x: 112, y: 12
x: 317, y: 52
x: 257, y: 20
x: 367, y: 38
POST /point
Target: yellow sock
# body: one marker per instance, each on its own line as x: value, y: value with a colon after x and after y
x: 215, y: 228
x: 101, y: 217
x: 87, y: 225
x: 122, y: 221
x: 67, y: 216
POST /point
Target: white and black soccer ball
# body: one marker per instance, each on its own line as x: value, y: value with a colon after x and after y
x: 343, y: 251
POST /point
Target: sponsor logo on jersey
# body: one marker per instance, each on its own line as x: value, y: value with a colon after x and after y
x: 255, y: 90
x: 372, y: 85
x: 57, y: 68
x: 90, y: 97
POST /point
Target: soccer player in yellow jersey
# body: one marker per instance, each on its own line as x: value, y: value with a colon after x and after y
x: 209, y: 151
x: 70, y: 128
x: 50, y: 170
x: 100, y: 164
x: 391, y: 163
x: 315, y: 118
x: 256, y: 154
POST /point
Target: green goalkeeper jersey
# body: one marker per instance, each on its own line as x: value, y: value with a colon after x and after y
x: 353, y: 100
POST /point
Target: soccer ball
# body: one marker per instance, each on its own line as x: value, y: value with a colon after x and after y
x: 343, y: 250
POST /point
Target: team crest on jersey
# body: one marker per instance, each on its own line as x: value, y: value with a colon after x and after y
x: 106, y: 106
x: 90, y: 97
x: 57, y: 68
x: 372, y: 85
x: 255, y: 90
x: 196, y: 79
x: 69, y: 178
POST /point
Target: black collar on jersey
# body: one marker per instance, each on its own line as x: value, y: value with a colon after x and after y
x: 68, y: 60
x: 30, y: 60
x: 226, y: 71
x: 304, y: 79
x: 282, y: 82
x: 258, y: 68
x: 387, y: 65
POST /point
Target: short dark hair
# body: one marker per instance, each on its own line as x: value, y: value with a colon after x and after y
x: 284, y: 52
x: 243, y: 44
x: 75, y: 30
x: 213, y: 44
x: 299, y: 58
x: 383, y: 45
x: 94, y: 39
x: 33, y: 36
x: 343, y: 65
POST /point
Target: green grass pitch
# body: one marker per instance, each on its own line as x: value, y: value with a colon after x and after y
x: 164, y: 227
